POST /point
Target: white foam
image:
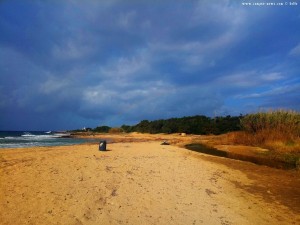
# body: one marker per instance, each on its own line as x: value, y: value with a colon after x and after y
x: 37, y: 137
x: 9, y: 137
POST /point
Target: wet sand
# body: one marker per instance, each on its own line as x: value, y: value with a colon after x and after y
x: 131, y: 183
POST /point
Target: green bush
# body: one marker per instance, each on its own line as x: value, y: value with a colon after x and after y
x: 102, y: 129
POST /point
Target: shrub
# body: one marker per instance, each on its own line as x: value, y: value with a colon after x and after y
x: 101, y: 129
x: 115, y: 130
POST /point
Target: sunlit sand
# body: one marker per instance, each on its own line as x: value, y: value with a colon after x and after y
x: 130, y: 183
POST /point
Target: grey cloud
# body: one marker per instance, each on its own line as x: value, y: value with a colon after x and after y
x: 118, y: 62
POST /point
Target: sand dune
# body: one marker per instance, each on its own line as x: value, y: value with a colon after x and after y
x: 131, y: 183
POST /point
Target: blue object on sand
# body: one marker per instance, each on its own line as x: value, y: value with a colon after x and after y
x: 102, y: 145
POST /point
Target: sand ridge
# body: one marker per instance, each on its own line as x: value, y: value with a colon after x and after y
x: 131, y: 183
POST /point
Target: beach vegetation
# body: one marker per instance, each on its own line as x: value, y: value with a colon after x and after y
x: 115, y: 130
x: 280, y: 129
x: 126, y: 128
x: 190, y: 125
x: 102, y: 129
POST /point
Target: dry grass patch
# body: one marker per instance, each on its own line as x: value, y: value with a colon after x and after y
x: 276, y: 131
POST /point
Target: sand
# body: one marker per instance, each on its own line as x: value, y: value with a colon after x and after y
x: 131, y: 183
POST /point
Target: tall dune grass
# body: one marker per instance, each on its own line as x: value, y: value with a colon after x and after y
x: 278, y: 129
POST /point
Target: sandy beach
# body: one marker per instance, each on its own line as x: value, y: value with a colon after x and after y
x: 135, y: 183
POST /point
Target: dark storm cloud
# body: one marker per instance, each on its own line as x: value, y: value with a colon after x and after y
x: 69, y: 64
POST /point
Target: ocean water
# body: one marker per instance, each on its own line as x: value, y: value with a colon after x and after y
x: 23, y: 139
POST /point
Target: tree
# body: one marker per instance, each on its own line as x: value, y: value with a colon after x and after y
x: 102, y: 129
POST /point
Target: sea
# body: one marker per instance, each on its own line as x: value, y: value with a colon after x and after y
x: 23, y: 139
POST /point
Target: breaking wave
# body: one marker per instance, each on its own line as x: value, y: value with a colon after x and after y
x: 17, y: 139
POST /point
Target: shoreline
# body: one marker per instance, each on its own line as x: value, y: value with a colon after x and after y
x: 140, y: 183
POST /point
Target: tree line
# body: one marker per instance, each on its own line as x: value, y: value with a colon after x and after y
x: 190, y: 125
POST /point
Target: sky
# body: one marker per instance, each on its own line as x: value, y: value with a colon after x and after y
x: 70, y: 64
